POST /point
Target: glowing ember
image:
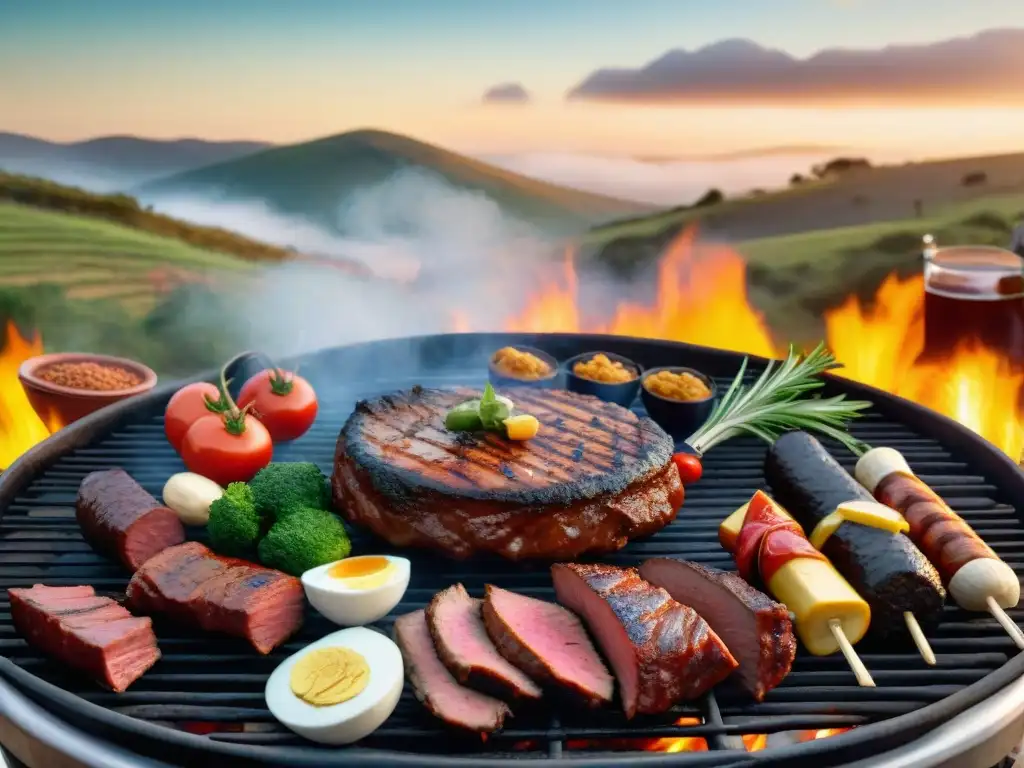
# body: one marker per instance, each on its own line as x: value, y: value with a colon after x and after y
x: 20, y: 427
x: 702, y: 299
x: 755, y: 742
x: 822, y: 733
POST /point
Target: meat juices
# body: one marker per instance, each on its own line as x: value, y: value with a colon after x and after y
x: 87, y: 632
x: 120, y: 519
x: 192, y: 585
x: 549, y: 644
x: 434, y: 685
x: 460, y: 639
x: 595, y: 477
x: 661, y: 652
x: 757, y: 630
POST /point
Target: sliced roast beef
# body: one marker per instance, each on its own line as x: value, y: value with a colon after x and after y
x: 662, y: 652
x: 91, y: 633
x: 120, y: 519
x: 456, y: 625
x: 191, y: 584
x: 757, y: 629
x: 434, y: 685
x: 548, y: 643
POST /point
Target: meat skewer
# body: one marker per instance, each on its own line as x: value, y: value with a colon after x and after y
x: 770, y: 546
x: 975, y: 576
x: 895, y: 578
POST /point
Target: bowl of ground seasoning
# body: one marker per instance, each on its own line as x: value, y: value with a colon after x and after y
x: 66, y: 386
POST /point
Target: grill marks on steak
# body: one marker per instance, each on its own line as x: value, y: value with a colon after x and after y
x: 757, y: 630
x: 457, y: 627
x: 192, y: 585
x: 91, y: 633
x: 548, y: 643
x: 594, y: 477
x: 120, y: 519
x: 434, y: 685
x: 661, y: 651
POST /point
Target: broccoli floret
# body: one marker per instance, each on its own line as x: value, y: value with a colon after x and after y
x: 305, y: 538
x: 282, y: 486
x: 235, y: 526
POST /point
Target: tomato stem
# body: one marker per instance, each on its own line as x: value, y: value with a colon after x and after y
x: 281, y: 383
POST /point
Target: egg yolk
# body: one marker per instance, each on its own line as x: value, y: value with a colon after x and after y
x: 363, y: 572
x: 329, y: 676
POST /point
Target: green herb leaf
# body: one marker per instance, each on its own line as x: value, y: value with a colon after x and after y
x: 774, y: 404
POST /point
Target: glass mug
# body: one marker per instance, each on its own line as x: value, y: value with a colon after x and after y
x: 973, y: 292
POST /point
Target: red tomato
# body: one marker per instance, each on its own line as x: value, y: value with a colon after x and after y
x: 186, y: 406
x: 227, y: 449
x: 689, y: 466
x: 285, y: 403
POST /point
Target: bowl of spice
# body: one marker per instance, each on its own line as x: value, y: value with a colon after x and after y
x: 679, y: 399
x: 610, y: 377
x: 69, y: 385
x: 522, y: 367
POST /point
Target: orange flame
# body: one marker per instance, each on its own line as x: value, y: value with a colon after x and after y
x: 20, y: 427
x: 701, y: 298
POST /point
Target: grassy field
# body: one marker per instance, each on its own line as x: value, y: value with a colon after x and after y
x: 95, y: 259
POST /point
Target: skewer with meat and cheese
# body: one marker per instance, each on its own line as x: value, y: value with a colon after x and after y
x: 872, y: 552
x: 975, y: 576
x: 770, y: 547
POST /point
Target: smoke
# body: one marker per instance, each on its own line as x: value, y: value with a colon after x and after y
x: 440, y: 256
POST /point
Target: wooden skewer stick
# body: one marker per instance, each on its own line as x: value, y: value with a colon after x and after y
x: 859, y: 670
x: 919, y: 639
x: 1007, y: 623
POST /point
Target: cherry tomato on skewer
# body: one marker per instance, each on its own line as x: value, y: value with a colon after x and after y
x: 284, y: 402
x: 689, y: 466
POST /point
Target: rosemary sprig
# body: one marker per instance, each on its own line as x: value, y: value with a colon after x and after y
x: 775, y: 404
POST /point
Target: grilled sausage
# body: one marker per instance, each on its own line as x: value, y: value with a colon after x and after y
x: 969, y: 568
x: 885, y: 568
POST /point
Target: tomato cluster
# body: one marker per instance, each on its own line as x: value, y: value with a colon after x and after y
x: 230, y: 442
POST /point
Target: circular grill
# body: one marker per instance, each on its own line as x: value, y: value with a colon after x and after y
x: 210, y: 683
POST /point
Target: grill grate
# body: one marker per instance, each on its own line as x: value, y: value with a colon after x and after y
x: 215, y: 680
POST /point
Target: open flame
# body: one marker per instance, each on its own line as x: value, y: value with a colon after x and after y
x: 701, y: 298
x: 20, y: 427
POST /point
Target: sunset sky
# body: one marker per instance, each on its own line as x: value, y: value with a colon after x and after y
x: 261, y: 69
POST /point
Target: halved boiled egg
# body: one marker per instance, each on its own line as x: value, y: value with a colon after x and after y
x: 339, y: 689
x: 357, y: 590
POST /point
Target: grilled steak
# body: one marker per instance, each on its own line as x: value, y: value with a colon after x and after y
x: 87, y: 632
x: 434, y: 685
x: 548, y: 643
x: 192, y: 585
x: 120, y: 519
x: 661, y: 652
x: 457, y: 628
x: 595, y: 477
x: 757, y: 629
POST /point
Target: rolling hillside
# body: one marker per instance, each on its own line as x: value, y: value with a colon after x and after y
x: 314, y: 178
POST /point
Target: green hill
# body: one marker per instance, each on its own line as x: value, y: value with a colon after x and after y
x: 314, y: 178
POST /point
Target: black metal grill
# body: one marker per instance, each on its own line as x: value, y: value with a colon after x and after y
x: 206, y: 679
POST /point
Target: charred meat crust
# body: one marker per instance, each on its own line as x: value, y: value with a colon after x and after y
x: 886, y: 569
x: 776, y: 642
x: 602, y: 447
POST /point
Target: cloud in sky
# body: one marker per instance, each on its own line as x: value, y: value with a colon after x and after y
x: 984, y: 67
x: 507, y: 93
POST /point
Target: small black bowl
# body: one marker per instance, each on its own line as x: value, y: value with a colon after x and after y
x: 621, y: 393
x: 498, y: 379
x: 680, y: 418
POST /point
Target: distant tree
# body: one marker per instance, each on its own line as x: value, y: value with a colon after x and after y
x: 797, y: 179
x: 974, y: 179
x: 758, y: 192
x: 840, y: 166
x: 711, y: 197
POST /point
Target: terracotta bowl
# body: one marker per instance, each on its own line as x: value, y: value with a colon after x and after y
x: 68, y: 404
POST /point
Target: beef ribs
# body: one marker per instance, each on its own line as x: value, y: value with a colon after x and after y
x: 120, y: 519
x: 662, y: 652
x: 457, y: 627
x: 595, y: 476
x: 548, y: 643
x: 91, y: 633
x: 434, y: 685
x: 757, y: 629
x: 192, y: 585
